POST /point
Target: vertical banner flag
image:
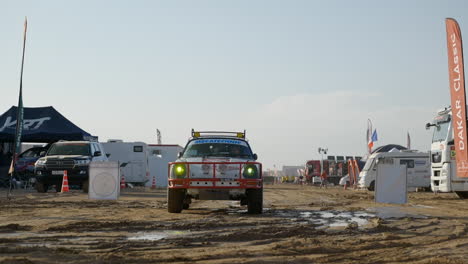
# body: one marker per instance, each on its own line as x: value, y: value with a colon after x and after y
x: 408, y: 141
x: 372, y: 140
x: 457, y: 94
x: 19, y: 110
x: 368, y: 135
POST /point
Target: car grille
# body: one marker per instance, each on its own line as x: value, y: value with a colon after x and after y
x: 436, y: 157
x: 59, y: 164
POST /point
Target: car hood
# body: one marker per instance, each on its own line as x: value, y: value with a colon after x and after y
x: 67, y: 157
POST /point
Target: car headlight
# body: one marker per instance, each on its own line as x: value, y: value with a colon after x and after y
x: 40, y: 162
x: 250, y: 172
x: 179, y: 171
x: 82, y: 162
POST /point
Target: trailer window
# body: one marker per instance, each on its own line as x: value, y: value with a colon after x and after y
x: 409, y: 163
x: 137, y: 148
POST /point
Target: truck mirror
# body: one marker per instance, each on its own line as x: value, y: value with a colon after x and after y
x: 108, y: 155
x: 255, y: 157
x: 42, y: 153
x: 179, y: 154
x: 428, y: 125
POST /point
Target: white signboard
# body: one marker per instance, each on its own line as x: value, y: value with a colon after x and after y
x: 104, y: 180
x: 158, y: 169
x: 391, y: 183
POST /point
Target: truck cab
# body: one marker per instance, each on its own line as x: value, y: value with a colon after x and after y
x: 443, y: 164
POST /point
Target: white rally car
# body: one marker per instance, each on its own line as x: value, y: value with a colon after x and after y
x: 216, y: 166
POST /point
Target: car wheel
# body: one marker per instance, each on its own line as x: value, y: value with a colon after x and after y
x: 86, y: 186
x: 41, y: 187
x: 255, y: 201
x: 175, y: 200
x: 462, y: 195
x: 371, y: 186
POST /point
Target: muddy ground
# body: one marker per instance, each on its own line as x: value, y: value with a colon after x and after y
x: 300, y: 224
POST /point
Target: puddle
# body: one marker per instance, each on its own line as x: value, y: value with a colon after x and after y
x: 328, y: 219
x: 422, y: 206
x: 154, y: 236
x: 393, y: 212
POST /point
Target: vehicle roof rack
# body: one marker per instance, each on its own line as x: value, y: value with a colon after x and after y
x: 197, y: 134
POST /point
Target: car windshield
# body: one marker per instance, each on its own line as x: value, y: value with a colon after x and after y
x: 368, y: 165
x: 218, y: 148
x: 440, y: 132
x: 69, y: 149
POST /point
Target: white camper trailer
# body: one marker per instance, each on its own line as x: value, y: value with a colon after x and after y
x: 418, y: 166
x: 135, y: 155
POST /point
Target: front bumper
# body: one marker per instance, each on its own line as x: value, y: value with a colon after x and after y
x: 215, y: 178
x: 76, y: 176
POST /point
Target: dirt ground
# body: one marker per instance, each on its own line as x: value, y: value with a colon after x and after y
x: 300, y: 224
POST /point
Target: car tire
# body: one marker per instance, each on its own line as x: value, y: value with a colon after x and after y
x: 371, y: 186
x: 254, y: 201
x: 462, y: 195
x: 41, y: 187
x: 175, y: 200
x: 86, y: 186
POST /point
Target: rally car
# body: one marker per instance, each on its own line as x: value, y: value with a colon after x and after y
x: 215, y: 165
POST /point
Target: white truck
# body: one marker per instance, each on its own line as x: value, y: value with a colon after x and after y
x: 418, y: 167
x: 443, y: 176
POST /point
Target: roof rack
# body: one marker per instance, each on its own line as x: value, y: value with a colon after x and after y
x: 197, y: 134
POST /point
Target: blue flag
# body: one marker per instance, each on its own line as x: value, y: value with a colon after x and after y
x: 374, y: 136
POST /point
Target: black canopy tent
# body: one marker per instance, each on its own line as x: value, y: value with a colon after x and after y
x: 41, y: 124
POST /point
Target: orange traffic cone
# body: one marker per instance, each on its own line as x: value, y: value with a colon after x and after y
x: 65, y: 182
x: 153, y: 185
x: 122, y: 182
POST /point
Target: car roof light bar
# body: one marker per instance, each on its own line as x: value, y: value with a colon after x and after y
x: 197, y: 134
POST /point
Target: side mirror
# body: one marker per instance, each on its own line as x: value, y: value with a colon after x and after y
x: 108, y: 155
x: 255, y: 157
x: 428, y: 125
x: 179, y: 154
x: 42, y: 154
x: 97, y: 153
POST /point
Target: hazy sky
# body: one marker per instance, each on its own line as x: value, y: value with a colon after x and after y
x: 297, y: 75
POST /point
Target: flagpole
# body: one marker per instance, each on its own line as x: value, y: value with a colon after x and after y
x: 19, y: 116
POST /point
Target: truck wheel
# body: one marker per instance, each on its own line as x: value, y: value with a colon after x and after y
x: 371, y: 186
x: 462, y: 195
x: 41, y: 187
x: 175, y: 200
x: 254, y: 201
x: 86, y: 186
